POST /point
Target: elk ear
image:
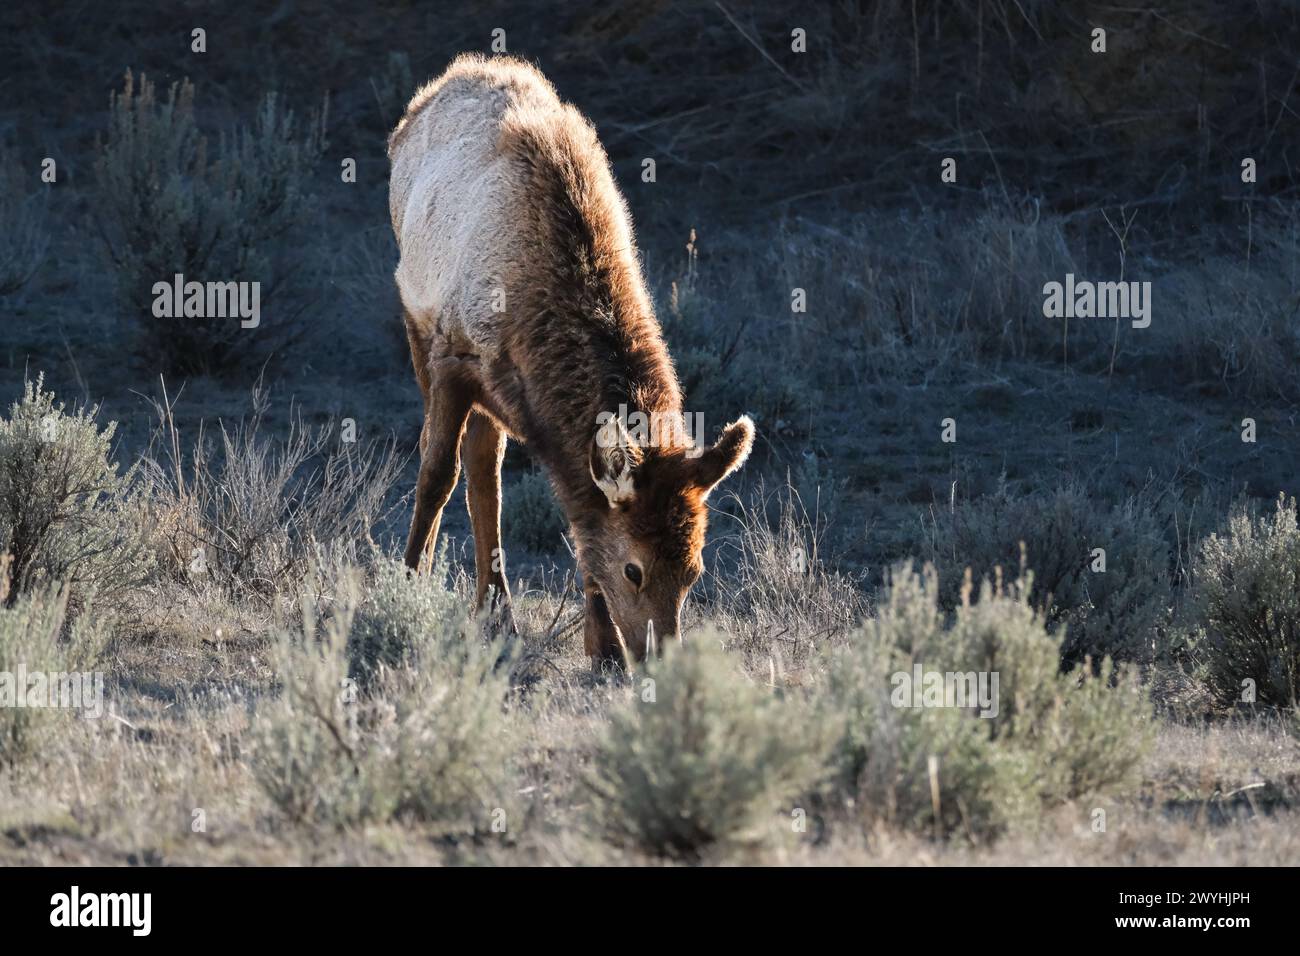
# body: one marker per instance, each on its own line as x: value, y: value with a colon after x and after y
x: 614, y: 458
x: 727, y: 454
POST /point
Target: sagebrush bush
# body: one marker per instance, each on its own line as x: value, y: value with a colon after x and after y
x: 931, y: 770
x: 456, y: 733
x: 66, y: 514
x: 1116, y: 613
x: 1246, y: 604
x: 700, y: 756
x: 35, y: 636
x: 310, y: 745
x: 400, y: 616
x: 531, y: 515
x: 253, y: 513
x: 430, y: 740
x: 1054, y: 737
x: 171, y: 200
x: 1084, y: 731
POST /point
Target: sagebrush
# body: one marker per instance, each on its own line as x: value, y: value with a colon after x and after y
x: 430, y: 740
x: 253, y: 512
x: 67, y: 515
x: 1050, y: 737
x: 173, y: 200
x: 1111, y: 604
x: 36, y: 638
x: 700, y: 756
x: 1247, y: 607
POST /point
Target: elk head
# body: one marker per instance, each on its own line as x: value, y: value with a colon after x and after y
x: 640, y: 549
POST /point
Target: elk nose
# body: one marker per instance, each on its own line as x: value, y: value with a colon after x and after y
x: 655, y: 641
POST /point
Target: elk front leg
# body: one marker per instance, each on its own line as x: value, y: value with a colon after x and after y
x: 599, y: 636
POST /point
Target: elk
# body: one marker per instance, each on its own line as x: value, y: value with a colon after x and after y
x: 528, y: 318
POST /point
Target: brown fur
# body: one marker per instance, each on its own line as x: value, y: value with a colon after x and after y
x: 578, y: 338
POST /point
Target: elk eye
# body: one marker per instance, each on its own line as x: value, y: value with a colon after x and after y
x: 632, y: 573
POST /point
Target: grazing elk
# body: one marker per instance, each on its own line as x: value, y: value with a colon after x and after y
x: 528, y: 317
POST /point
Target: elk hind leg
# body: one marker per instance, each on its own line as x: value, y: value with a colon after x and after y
x: 446, y: 409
